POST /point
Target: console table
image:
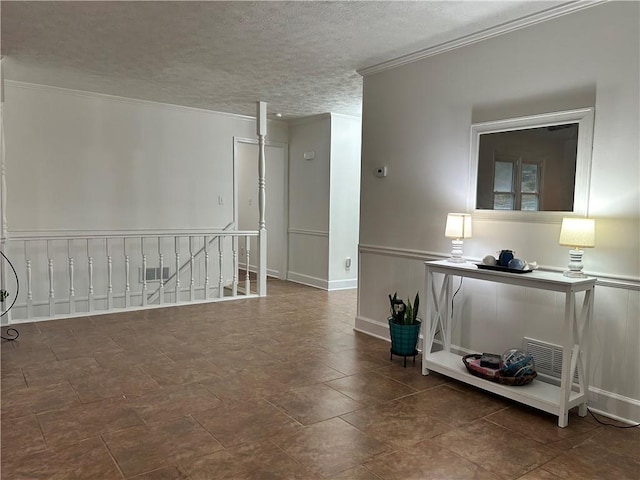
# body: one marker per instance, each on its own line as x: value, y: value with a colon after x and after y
x: 538, y: 394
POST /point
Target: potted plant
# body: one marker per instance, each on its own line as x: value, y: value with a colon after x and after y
x: 404, y: 327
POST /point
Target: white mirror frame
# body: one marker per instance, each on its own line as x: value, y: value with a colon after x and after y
x: 583, y: 117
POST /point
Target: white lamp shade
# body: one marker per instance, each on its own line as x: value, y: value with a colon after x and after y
x: 458, y: 225
x: 578, y: 232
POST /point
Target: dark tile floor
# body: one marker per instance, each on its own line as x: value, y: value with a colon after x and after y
x: 272, y: 388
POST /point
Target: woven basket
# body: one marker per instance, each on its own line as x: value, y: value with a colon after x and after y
x: 492, y: 375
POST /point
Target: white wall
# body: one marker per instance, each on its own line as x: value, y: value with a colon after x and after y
x: 324, y: 200
x: 344, y: 209
x: 85, y: 161
x: 309, y: 196
x: 417, y: 119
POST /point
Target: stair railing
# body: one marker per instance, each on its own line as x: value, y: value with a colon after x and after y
x: 76, y: 274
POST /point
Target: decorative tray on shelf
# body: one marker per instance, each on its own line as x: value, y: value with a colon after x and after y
x: 498, y: 268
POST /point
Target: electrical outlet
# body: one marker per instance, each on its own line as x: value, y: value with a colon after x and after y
x: 347, y: 263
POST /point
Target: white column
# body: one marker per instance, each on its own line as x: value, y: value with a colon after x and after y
x: 262, y: 239
x: 161, y: 262
x: 72, y: 290
x: 90, y: 273
x: 109, y: 276
x: 247, y: 278
x: 221, y: 267
x: 177, y: 251
x: 192, y: 283
x: 127, y: 280
x: 206, y: 267
x: 29, y: 284
x: 144, y: 272
x: 234, y: 287
x: 52, y: 306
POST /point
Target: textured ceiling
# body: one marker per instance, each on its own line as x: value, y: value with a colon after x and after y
x: 299, y: 57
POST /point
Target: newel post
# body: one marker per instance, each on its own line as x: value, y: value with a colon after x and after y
x: 261, y: 120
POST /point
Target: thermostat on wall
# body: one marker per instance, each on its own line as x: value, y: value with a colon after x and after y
x: 381, y: 172
x: 309, y: 155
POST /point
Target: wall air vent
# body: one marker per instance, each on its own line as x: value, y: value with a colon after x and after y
x: 547, y: 357
x: 152, y: 274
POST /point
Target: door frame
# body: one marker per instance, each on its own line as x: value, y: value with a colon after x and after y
x: 284, y: 258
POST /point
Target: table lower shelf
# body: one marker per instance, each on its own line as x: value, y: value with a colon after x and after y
x: 538, y: 394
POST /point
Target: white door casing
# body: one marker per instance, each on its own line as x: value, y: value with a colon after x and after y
x: 245, y: 208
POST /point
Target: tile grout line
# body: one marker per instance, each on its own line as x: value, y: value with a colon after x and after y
x: 113, y: 458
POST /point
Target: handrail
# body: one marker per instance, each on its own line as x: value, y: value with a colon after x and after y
x: 164, y: 234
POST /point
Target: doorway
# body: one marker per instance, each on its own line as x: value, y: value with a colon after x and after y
x: 246, y: 200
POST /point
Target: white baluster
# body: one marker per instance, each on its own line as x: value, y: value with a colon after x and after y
x: 206, y: 267
x: 192, y: 285
x: 262, y: 238
x: 161, y: 261
x: 247, y: 280
x: 90, y: 267
x: 52, y: 308
x: 109, y: 276
x: 177, y: 250
x: 144, y: 272
x: 221, y: 266
x: 29, y: 284
x: 234, y: 287
x: 127, y: 285
x: 72, y: 292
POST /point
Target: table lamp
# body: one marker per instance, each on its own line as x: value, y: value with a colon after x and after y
x: 458, y: 227
x: 578, y: 233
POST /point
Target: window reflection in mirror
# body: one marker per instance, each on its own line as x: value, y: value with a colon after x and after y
x: 531, y: 169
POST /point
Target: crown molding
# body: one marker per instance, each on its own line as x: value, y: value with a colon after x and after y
x: 127, y: 100
x: 501, y: 29
x: 310, y: 119
x: 345, y: 116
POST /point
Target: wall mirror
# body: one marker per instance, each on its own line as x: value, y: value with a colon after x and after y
x: 536, y: 167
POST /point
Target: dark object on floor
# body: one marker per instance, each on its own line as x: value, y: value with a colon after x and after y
x: 415, y: 352
x: 10, y: 331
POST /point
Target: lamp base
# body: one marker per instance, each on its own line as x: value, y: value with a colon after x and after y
x: 456, y: 260
x: 456, y: 252
x: 574, y: 274
x: 575, y: 264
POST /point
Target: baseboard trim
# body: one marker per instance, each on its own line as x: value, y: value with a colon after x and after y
x: 614, y: 406
x: 372, y: 327
x: 94, y: 313
x: 347, y: 284
x: 308, y: 280
x: 608, y: 404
